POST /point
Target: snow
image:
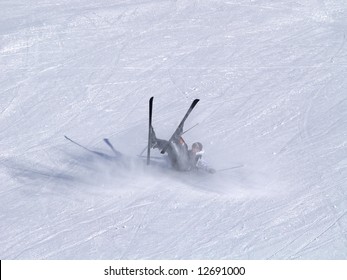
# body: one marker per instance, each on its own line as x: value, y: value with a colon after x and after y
x: 271, y: 77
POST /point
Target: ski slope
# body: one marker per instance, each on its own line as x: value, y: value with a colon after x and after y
x: 271, y: 77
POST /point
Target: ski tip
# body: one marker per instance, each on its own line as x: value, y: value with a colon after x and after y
x: 195, y: 101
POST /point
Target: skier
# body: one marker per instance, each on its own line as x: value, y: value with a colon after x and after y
x: 181, y: 158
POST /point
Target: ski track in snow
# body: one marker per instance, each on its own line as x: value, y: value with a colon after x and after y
x: 271, y: 80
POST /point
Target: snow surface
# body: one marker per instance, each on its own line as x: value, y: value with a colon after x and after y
x: 271, y: 76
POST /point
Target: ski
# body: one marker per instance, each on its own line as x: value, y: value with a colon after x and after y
x: 180, y: 126
x: 116, y: 153
x: 149, y: 130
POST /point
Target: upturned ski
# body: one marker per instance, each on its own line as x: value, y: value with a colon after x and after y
x: 179, y: 129
x: 149, y: 146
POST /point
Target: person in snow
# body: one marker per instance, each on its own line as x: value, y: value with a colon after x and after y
x: 181, y: 158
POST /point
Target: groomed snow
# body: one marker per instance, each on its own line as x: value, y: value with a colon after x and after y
x: 271, y: 77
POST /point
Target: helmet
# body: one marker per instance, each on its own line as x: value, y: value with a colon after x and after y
x: 197, y: 145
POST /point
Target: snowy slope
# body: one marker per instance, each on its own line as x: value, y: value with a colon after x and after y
x: 271, y: 76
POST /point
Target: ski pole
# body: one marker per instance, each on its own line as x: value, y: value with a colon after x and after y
x: 145, y: 149
x: 230, y: 168
x: 190, y: 128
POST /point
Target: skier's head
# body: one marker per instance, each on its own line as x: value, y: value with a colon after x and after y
x: 197, y: 147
